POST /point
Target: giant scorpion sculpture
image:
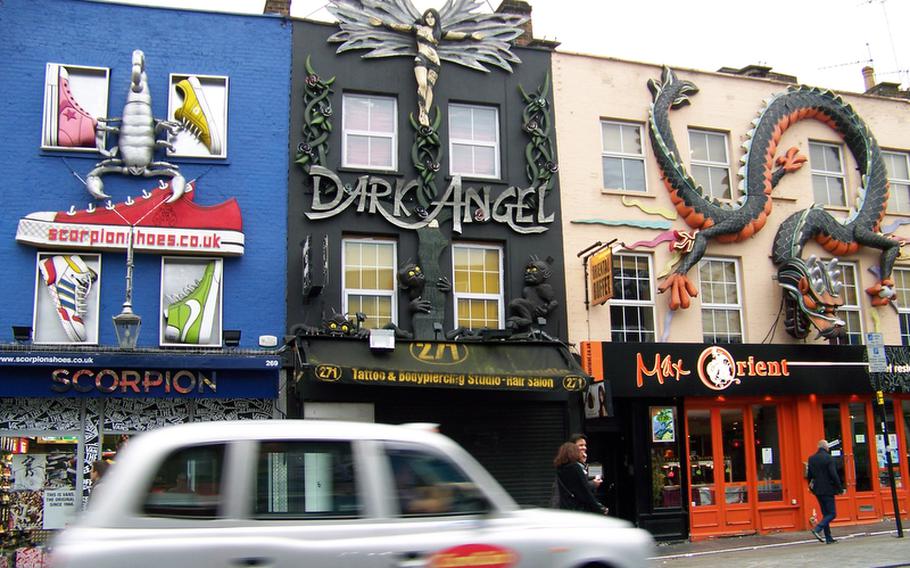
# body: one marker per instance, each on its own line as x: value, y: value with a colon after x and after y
x: 136, y: 139
x: 811, y: 289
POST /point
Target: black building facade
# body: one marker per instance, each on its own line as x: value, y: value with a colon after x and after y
x: 425, y: 274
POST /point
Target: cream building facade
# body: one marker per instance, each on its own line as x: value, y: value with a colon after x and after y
x: 793, y: 391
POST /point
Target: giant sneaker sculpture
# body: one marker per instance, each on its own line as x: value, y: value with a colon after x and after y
x: 69, y: 281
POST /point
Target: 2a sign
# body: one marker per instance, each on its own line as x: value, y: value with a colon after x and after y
x: 439, y: 353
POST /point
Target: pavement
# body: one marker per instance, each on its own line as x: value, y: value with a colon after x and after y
x: 872, y: 545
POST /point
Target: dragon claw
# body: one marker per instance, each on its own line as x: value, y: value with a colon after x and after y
x: 882, y: 292
x: 682, y: 290
x: 792, y: 160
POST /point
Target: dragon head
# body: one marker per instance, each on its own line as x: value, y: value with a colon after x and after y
x: 812, y: 297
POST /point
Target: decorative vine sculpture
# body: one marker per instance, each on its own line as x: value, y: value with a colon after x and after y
x: 317, y: 119
x: 535, y: 121
x: 425, y: 155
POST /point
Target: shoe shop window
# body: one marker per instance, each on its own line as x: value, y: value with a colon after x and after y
x: 370, y: 132
x: 74, y: 98
x: 199, y: 104
x: 38, y: 494
x: 191, y: 302
x: 66, y: 299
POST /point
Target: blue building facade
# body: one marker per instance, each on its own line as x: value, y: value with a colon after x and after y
x: 208, y: 236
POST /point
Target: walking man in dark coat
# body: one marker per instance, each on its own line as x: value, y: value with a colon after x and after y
x: 825, y: 483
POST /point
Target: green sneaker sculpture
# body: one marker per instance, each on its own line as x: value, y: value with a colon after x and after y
x: 191, y: 318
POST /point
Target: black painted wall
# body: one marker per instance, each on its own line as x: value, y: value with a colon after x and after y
x: 394, y: 76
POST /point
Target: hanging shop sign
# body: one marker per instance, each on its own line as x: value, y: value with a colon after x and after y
x: 679, y: 369
x: 53, y: 374
x: 601, y: 277
x: 541, y: 367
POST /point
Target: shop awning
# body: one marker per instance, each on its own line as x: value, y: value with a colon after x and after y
x: 138, y: 374
x: 490, y: 365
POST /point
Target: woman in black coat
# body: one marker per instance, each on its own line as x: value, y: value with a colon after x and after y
x: 574, y: 491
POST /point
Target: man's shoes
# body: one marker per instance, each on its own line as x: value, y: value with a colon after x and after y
x: 69, y: 281
x: 75, y: 126
x: 159, y: 226
x: 191, y: 318
x: 832, y: 541
x: 195, y: 114
x: 818, y: 535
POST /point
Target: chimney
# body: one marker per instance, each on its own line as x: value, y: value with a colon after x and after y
x: 519, y: 8
x: 868, y: 77
x: 280, y: 7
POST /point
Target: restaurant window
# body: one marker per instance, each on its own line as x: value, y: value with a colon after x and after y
x: 893, y: 445
x: 370, y: 136
x: 187, y: 484
x: 828, y: 180
x: 850, y: 310
x: 701, y: 457
x: 710, y: 165
x: 301, y: 480
x: 474, y: 141
x: 734, y: 472
x: 767, y: 452
x: 898, y: 166
x: 622, y: 157
x: 477, y: 286
x: 368, y: 280
x: 665, y: 478
x: 632, y: 306
x: 905, y: 410
x: 721, y: 306
x: 902, y: 290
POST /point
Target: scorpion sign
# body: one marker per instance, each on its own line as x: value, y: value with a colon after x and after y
x: 136, y: 139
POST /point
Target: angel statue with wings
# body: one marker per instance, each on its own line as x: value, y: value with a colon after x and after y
x: 455, y: 33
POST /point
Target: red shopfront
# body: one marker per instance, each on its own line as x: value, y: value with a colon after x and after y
x: 743, y: 419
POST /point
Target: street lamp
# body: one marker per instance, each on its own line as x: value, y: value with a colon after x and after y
x: 126, y: 323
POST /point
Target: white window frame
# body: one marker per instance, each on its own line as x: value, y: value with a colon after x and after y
x: 393, y: 293
x: 722, y: 307
x: 623, y: 155
x: 620, y: 303
x: 853, y: 284
x: 817, y: 171
x: 475, y: 143
x: 393, y: 136
x: 896, y: 205
x: 500, y: 298
x: 901, y: 275
x: 712, y: 164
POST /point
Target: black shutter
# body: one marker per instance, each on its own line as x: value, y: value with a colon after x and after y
x: 515, y: 442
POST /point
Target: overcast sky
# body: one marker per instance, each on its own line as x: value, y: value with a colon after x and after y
x: 823, y: 42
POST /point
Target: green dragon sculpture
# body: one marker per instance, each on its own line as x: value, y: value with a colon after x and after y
x: 811, y: 290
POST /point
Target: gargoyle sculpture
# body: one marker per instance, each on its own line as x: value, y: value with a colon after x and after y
x: 537, y: 297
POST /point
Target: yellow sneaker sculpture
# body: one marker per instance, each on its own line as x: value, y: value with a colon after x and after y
x: 195, y: 114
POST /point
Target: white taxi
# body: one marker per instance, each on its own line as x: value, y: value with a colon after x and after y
x: 285, y: 493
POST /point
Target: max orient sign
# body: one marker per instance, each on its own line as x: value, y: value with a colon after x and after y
x: 679, y: 369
